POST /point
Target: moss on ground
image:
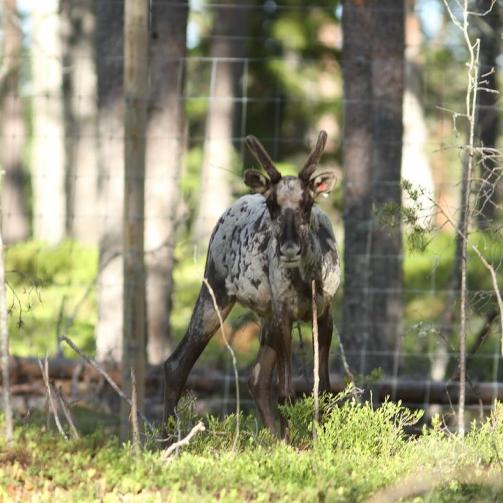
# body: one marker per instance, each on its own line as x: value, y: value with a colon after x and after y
x: 358, y: 452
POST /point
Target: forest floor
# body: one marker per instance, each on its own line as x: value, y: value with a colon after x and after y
x: 359, y: 454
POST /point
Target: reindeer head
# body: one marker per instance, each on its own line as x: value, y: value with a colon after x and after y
x: 290, y: 199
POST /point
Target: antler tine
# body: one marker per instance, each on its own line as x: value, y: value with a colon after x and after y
x: 263, y: 158
x: 314, y: 157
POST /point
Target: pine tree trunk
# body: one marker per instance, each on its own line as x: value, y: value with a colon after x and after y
x: 79, y: 92
x: 373, y: 85
x: 215, y: 192
x: 15, y: 225
x: 109, y: 61
x: 386, y: 258
x: 48, y: 159
x: 165, y: 147
x: 357, y: 155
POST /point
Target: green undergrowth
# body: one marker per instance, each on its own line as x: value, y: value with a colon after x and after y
x: 358, y: 452
x: 46, y: 284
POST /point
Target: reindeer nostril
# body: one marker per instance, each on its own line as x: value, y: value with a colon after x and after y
x: 290, y: 251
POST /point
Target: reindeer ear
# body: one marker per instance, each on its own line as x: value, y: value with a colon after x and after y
x: 257, y: 181
x: 322, y: 183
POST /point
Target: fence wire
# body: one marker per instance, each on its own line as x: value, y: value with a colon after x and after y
x: 67, y: 184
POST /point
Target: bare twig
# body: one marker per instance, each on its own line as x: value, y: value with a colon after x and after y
x: 61, y: 316
x: 316, y: 366
x: 167, y: 452
x: 110, y: 381
x: 134, y: 414
x: 66, y: 412
x: 345, y: 364
x: 234, y: 362
x: 45, y: 376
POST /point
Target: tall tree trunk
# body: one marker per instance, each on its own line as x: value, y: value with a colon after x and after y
x: 357, y: 156
x: 489, y: 27
x: 215, y: 193
x: 386, y: 257
x: 48, y: 160
x: 373, y: 83
x: 15, y: 225
x: 79, y: 92
x: 165, y: 147
x: 135, y: 119
x: 109, y: 60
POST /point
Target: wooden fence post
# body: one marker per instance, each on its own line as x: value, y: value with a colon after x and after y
x: 134, y: 307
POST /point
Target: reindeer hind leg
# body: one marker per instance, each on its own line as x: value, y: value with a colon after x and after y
x: 203, y: 324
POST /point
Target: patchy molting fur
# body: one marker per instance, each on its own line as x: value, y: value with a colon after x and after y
x: 244, y: 252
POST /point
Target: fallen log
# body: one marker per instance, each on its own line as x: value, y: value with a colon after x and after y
x: 26, y: 379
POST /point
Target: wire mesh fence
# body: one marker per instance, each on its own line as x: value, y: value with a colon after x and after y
x: 62, y: 141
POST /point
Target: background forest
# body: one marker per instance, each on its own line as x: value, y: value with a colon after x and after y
x: 122, y: 141
x: 278, y: 70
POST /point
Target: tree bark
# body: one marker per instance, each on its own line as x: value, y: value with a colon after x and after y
x: 357, y: 149
x: 109, y: 61
x: 165, y: 148
x: 386, y: 258
x: 226, y: 49
x: 15, y: 225
x: 373, y: 67
x: 489, y: 28
x: 135, y: 119
x: 47, y: 163
x: 79, y: 96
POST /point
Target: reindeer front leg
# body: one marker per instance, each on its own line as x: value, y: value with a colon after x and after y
x: 275, y: 349
x: 325, y: 329
x: 260, y: 381
x: 283, y: 343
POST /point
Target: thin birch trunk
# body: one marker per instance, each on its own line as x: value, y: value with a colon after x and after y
x: 164, y: 160
x: 109, y: 62
x: 15, y: 225
x: 226, y: 49
x: 80, y: 109
x: 48, y: 159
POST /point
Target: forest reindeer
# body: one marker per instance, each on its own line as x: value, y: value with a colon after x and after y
x: 264, y: 253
